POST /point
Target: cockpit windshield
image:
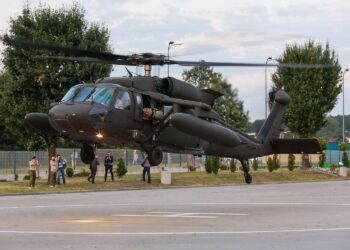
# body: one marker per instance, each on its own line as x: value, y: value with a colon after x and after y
x: 101, y: 95
x: 71, y: 93
x: 84, y: 93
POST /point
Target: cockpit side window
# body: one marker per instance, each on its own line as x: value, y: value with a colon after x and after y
x: 123, y: 101
x: 83, y: 94
x: 71, y: 93
x: 103, y: 96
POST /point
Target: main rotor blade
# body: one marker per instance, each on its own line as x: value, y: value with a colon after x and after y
x: 90, y: 60
x: 241, y: 64
x: 25, y: 43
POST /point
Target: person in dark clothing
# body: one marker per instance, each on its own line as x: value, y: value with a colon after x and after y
x: 146, y: 169
x: 109, y: 165
x: 93, y: 167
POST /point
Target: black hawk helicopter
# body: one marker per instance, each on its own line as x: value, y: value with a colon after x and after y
x: 156, y: 114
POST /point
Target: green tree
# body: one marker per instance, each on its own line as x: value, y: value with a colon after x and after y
x: 275, y: 162
x: 228, y: 106
x: 345, y: 159
x: 255, y: 165
x: 215, y: 164
x: 208, y: 164
x: 121, y: 169
x: 291, y: 162
x: 34, y: 83
x: 233, y: 165
x: 270, y: 165
x: 212, y: 164
x: 343, y: 146
x: 322, y: 158
x: 313, y: 91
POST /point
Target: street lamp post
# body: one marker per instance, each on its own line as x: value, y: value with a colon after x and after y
x: 346, y: 70
x: 266, y: 98
x: 171, y: 44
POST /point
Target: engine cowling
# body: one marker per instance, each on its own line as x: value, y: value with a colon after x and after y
x: 179, y: 89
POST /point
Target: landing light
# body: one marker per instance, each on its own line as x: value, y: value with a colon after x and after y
x: 99, y: 135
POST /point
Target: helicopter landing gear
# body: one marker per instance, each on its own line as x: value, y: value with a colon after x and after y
x: 87, y: 153
x: 247, y: 177
x: 155, y: 156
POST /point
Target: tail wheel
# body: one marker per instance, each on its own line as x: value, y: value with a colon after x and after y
x: 87, y: 153
x: 248, y: 178
x: 155, y: 157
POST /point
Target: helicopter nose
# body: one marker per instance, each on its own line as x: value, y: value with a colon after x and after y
x: 41, y: 122
x: 71, y: 118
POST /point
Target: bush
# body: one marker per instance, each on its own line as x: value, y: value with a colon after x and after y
x: 223, y: 166
x: 343, y: 146
x: 207, y: 164
x: 345, y: 159
x: 26, y: 177
x: 70, y: 172
x: 270, y: 164
x: 83, y: 173
x: 321, y: 160
x: 323, y: 143
x: 233, y: 165
x: 291, y: 162
x: 254, y: 165
x: 121, y: 169
x: 276, y: 162
x: 215, y: 164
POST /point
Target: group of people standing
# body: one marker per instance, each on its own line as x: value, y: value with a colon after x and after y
x: 58, y: 165
x: 108, y: 163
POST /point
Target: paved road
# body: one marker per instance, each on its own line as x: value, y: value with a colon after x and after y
x: 280, y: 216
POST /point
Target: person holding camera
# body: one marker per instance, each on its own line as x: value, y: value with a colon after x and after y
x: 109, y: 165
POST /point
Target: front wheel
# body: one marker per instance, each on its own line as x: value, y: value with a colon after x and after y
x: 87, y: 153
x: 155, y: 157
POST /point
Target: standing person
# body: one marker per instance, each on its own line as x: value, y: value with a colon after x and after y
x: 61, y: 165
x: 33, y: 165
x: 109, y: 165
x: 146, y: 169
x: 53, y: 169
x: 135, y: 158
x: 93, y: 167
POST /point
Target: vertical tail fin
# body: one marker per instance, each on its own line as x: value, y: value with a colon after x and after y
x: 272, y: 126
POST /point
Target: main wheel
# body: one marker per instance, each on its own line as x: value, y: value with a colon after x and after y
x: 248, y: 178
x: 155, y: 157
x: 87, y: 153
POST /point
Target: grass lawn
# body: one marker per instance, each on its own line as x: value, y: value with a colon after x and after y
x: 178, y: 179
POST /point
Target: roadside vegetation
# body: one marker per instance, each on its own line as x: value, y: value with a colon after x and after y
x: 187, y: 179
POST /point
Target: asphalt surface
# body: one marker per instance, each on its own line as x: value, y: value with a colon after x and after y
x: 279, y: 216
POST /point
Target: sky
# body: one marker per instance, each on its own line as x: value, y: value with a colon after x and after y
x: 220, y: 30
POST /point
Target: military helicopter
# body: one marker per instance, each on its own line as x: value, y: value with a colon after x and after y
x: 156, y: 114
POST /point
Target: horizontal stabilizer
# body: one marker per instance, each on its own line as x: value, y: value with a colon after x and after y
x: 296, y: 146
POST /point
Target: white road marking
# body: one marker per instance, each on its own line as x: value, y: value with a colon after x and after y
x: 179, y: 233
x: 179, y: 215
x: 191, y: 213
x: 68, y: 205
x: 180, y: 204
x: 165, y: 216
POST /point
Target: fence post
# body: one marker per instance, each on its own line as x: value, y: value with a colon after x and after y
x: 126, y: 158
x: 14, y: 164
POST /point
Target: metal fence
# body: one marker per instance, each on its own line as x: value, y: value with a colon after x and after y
x: 12, y: 162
